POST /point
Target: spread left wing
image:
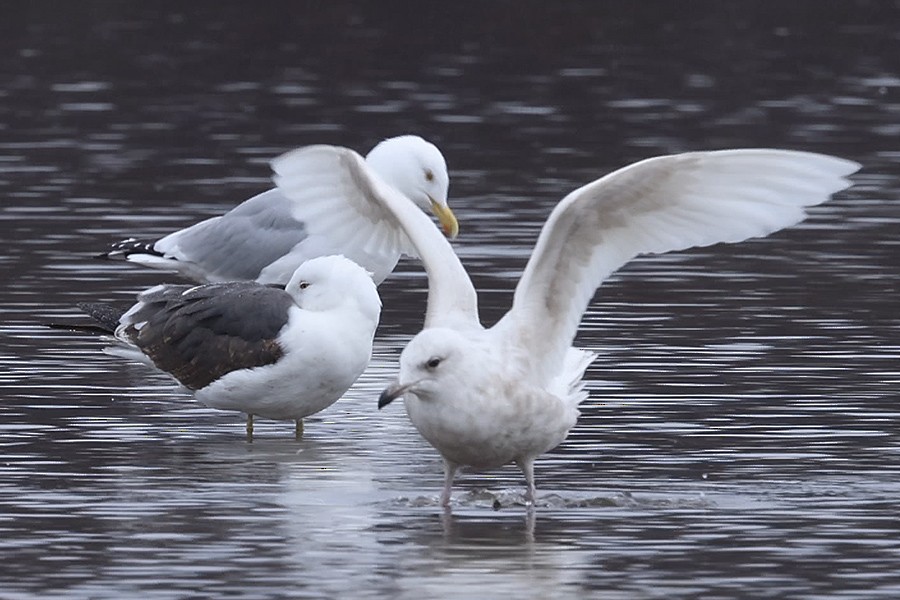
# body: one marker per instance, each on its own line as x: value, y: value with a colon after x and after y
x: 653, y: 206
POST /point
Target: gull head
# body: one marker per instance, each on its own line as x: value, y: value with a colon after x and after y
x: 417, y: 169
x: 327, y: 282
x: 432, y: 365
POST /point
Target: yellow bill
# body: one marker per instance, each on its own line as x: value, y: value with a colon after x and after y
x: 447, y: 219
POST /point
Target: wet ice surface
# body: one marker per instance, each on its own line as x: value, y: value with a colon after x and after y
x: 741, y: 438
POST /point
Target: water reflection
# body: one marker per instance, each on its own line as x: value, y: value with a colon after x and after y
x: 741, y: 436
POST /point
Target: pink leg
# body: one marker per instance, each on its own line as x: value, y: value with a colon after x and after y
x: 527, y: 466
x: 449, y: 474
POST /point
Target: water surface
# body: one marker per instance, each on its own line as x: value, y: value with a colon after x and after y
x: 741, y: 438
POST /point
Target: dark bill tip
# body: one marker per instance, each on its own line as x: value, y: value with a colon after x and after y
x: 391, y: 393
x: 386, y: 398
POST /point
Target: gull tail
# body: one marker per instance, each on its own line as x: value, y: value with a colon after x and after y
x: 569, y: 384
x: 108, y: 318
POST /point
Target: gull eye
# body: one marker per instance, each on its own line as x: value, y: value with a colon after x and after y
x: 303, y: 285
x: 433, y: 362
x: 429, y: 175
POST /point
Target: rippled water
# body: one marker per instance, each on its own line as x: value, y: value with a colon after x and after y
x: 741, y: 439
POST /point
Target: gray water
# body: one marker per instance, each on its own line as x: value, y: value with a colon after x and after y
x: 742, y: 438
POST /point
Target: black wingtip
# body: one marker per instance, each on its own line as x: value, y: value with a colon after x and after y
x: 385, y: 398
x: 106, y: 315
x: 79, y: 328
x: 125, y: 248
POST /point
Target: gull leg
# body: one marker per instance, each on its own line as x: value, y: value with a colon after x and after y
x: 449, y: 473
x: 527, y: 466
x: 298, y: 429
x: 249, y: 428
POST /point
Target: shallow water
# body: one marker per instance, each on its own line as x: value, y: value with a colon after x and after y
x: 741, y: 439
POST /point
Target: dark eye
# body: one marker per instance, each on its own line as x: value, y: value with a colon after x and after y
x: 433, y: 362
x: 303, y: 285
x: 429, y: 175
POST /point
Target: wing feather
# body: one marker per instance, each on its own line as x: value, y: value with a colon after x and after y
x: 335, y: 209
x: 198, y: 334
x: 393, y: 221
x: 235, y: 246
x: 657, y: 205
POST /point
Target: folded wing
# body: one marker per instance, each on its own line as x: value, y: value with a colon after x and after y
x: 236, y: 246
x: 198, y: 334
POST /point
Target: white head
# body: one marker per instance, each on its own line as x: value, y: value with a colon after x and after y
x: 329, y: 282
x: 434, y: 361
x: 418, y: 170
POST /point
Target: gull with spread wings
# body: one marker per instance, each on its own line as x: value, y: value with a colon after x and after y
x: 507, y: 394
